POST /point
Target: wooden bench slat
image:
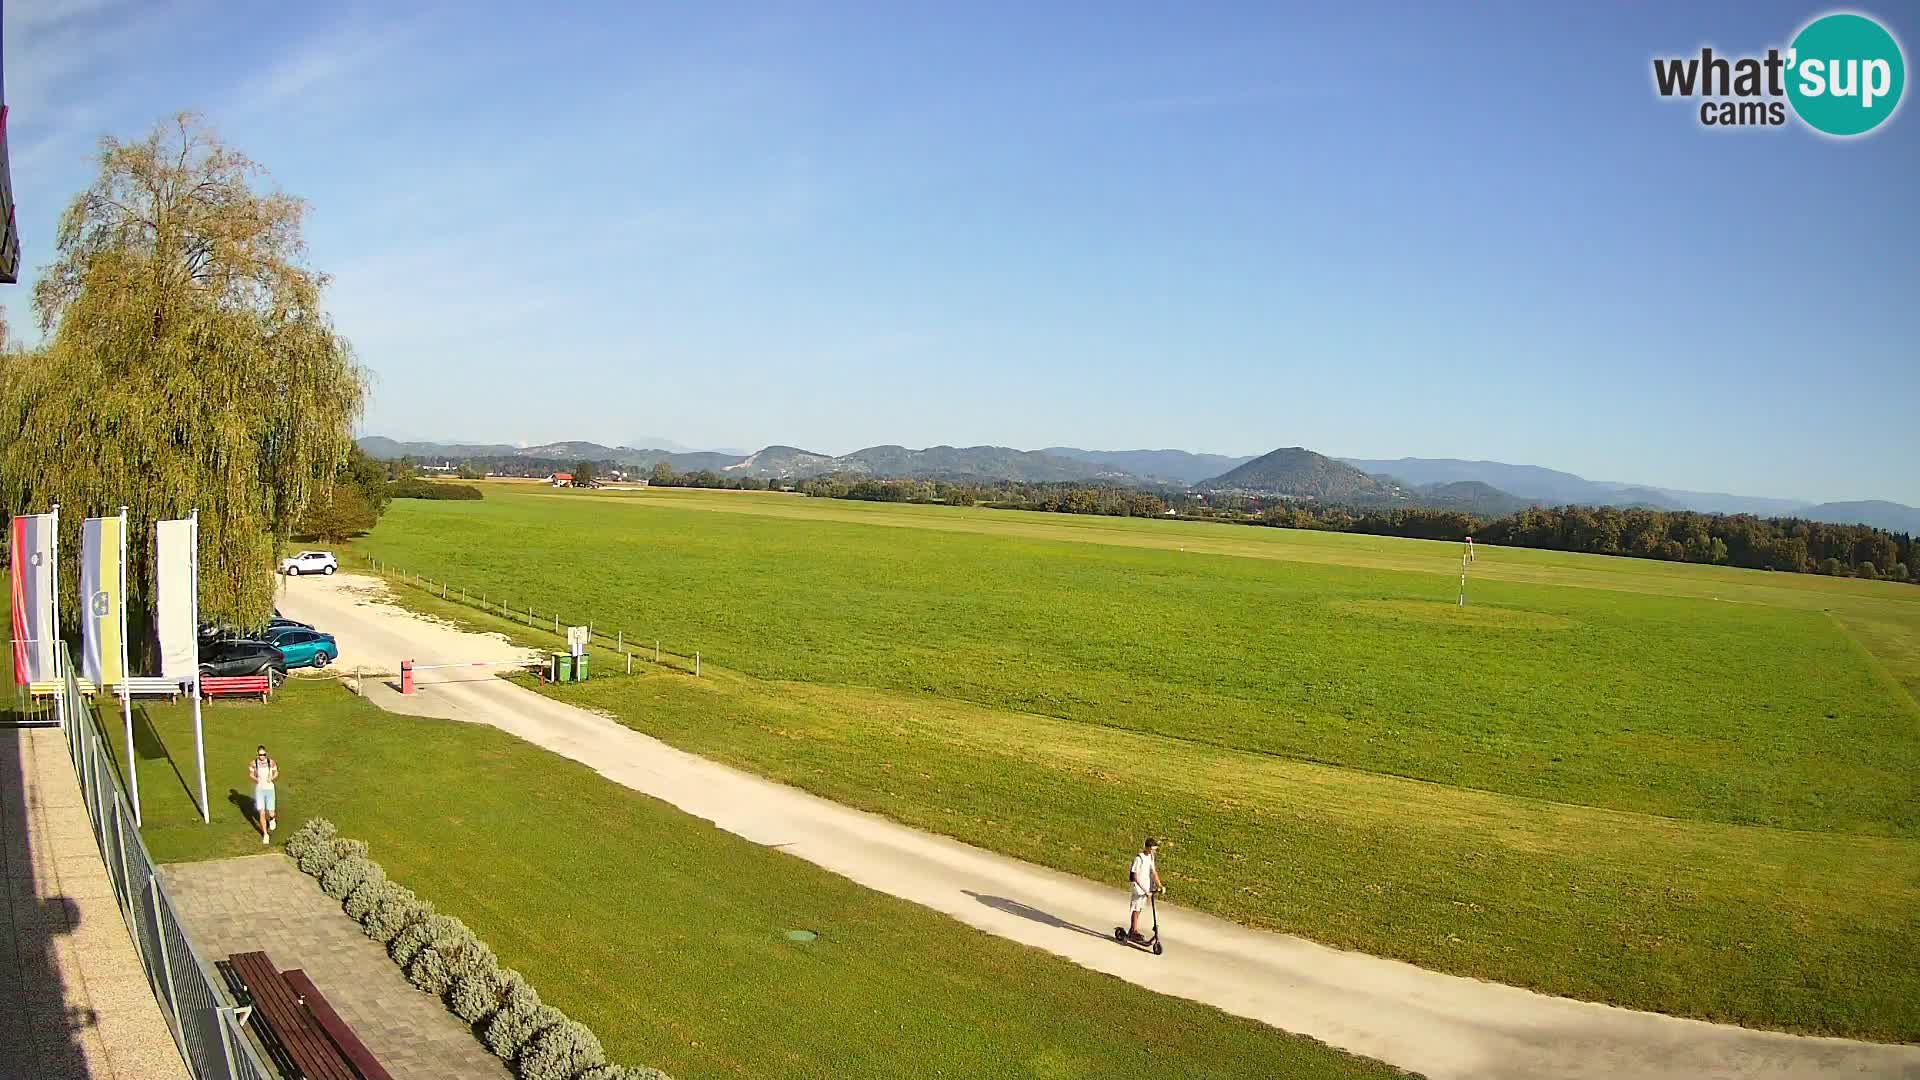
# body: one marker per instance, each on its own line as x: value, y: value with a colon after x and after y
x: 269, y: 1041
x: 279, y: 1008
x: 355, y: 1051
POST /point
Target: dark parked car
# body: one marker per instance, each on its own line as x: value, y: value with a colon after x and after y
x: 279, y: 622
x: 241, y: 658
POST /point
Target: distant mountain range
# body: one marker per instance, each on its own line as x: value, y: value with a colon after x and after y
x: 1553, y: 488
x: 1482, y: 487
x: 1174, y: 466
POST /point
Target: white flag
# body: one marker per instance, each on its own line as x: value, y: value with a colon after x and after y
x: 174, y: 601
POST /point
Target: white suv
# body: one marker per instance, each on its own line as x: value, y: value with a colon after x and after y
x: 310, y: 562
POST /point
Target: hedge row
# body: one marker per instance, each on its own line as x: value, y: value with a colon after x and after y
x: 442, y: 957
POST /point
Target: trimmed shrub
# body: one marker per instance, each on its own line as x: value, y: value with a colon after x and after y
x: 317, y: 832
x: 412, y: 937
x: 318, y: 854
x: 425, y: 964
x: 562, y: 1052
x: 349, y: 849
x: 517, y: 1022
x: 360, y: 901
x: 480, y: 992
x: 345, y: 875
x: 450, y: 951
x: 475, y: 959
x: 398, y: 908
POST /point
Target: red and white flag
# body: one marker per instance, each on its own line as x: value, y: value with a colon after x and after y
x: 33, y: 625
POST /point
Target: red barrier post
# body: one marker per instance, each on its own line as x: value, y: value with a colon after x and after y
x: 406, y: 676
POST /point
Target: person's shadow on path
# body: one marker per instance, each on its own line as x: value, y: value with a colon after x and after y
x: 1015, y: 907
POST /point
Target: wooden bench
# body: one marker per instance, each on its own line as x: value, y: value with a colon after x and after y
x: 237, y: 686
x: 290, y: 1031
x: 153, y: 686
x: 365, y: 1065
x: 56, y: 687
x: 138, y: 686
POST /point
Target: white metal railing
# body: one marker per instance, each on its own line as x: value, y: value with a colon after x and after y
x: 204, y: 1023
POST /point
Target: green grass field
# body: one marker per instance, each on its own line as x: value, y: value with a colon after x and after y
x: 1681, y: 788
x: 667, y: 935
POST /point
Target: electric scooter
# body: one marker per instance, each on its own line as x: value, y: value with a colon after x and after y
x: 1152, y: 944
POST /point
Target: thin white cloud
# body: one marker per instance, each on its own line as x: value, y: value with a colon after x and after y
x: 327, y: 71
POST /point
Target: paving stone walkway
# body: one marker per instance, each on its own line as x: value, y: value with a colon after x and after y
x: 264, y: 902
x: 75, y: 1003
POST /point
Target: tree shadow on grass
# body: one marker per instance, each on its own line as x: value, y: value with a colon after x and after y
x: 1015, y: 907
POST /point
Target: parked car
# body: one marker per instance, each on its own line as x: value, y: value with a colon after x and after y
x: 280, y: 622
x: 221, y: 658
x: 303, y: 646
x: 310, y: 562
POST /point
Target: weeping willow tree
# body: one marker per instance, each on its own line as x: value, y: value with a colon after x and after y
x: 187, y: 363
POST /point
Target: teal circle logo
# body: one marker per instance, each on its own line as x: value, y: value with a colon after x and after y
x: 1845, y: 74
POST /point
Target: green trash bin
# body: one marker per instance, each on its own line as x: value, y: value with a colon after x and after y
x: 560, y: 669
x: 580, y: 667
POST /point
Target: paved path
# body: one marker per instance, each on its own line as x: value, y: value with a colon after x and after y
x: 75, y: 1003
x: 1441, y: 1025
x: 264, y: 902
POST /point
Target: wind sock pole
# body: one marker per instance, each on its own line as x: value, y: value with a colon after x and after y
x: 1463, y: 581
x: 199, y: 739
x: 126, y: 686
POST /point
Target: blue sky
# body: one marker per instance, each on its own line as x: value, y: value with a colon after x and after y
x: 1371, y: 230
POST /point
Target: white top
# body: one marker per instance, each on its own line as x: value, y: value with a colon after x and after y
x: 262, y: 770
x: 1142, y: 873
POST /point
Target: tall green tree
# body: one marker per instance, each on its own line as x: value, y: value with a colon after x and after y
x: 188, y: 363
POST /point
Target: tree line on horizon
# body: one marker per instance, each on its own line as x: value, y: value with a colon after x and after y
x: 1773, y: 543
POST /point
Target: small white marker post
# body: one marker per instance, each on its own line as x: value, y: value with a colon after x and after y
x: 1463, y: 580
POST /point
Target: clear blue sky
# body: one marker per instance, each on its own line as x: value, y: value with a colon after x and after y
x: 1373, y: 231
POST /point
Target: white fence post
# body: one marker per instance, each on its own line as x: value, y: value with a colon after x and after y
x: 656, y: 650
x: 696, y: 663
x: 160, y: 935
x: 629, y: 663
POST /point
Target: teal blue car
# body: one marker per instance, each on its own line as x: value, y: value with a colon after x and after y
x: 303, y: 646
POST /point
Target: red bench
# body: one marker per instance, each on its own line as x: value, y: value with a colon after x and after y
x: 237, y: 686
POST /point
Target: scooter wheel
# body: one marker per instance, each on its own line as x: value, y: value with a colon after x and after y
x: 1120, y: 934
x: 1156, y: 948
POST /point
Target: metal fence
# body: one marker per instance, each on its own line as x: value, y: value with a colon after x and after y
x: 205, y: 1027
x: 546, y: 619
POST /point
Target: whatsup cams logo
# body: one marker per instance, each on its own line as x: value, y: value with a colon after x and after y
x: 1842, y: 76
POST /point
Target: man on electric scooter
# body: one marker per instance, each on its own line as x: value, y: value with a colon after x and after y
x: 1144, y: 880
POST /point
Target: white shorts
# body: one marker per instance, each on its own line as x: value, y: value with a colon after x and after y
x: 1139, y: 900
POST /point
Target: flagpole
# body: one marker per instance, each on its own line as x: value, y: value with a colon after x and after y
x: 199, y: 741
x: 55, y: 512
x: 126, y: 687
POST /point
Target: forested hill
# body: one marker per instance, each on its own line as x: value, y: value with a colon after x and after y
x: 1298, y: 472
